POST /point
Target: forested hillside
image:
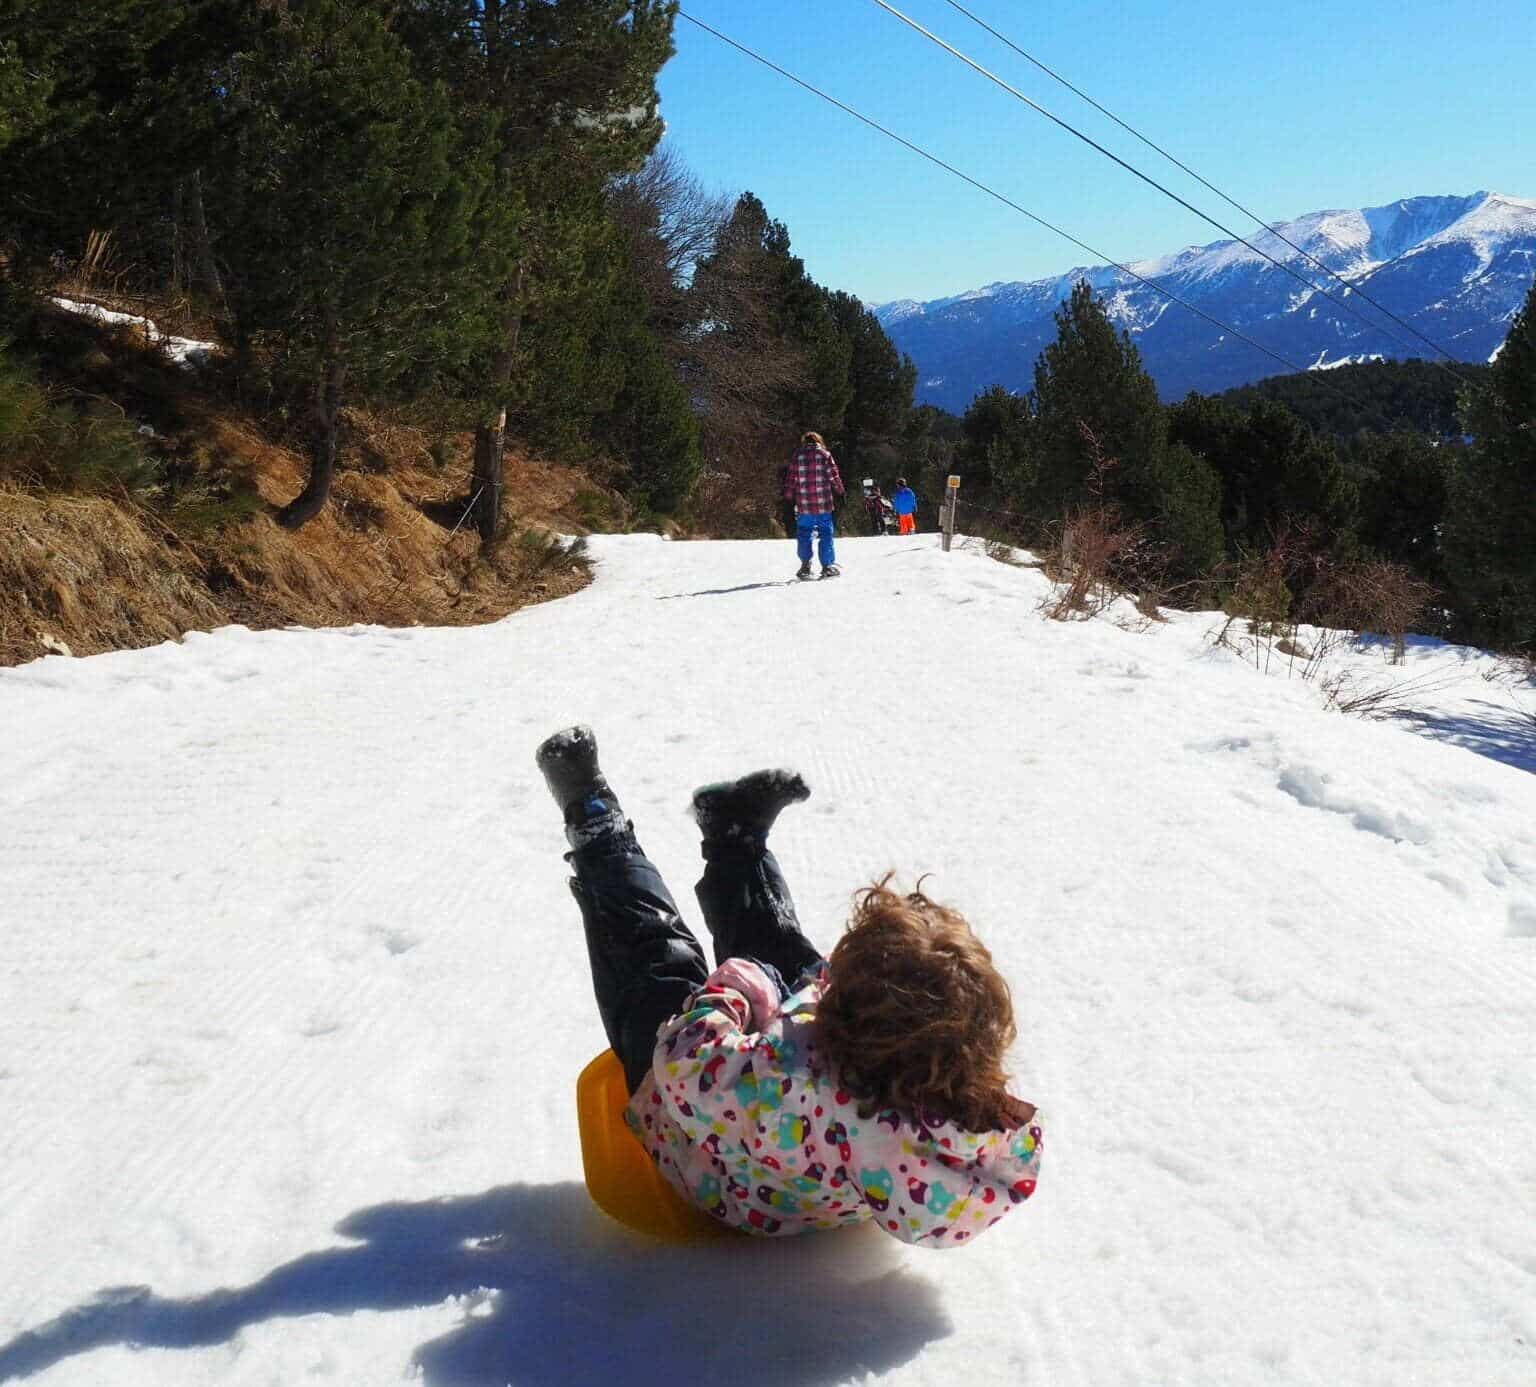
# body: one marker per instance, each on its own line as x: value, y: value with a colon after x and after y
x: 444, y: 215
x: 434, y: 249
x: 1422, y: 396
x: 1348, y: 499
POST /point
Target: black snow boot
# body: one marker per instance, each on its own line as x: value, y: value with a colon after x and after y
x: 742, y: 811
x: 804, y: 571
x: 569, y: 762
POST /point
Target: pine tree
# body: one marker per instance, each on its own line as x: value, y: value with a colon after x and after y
x: 995, y: 443
x: 880, y: 381
x: 762, y: 355
x: 1276, y: 475
x: 930, y: 449
x: 77, y: 155
x: 1403, y: 480
x: 1490, y: 533
x: 22, y: 95
x: 652, y: 428
x: 343, y: 221
x: 1092, y: 375
x: 1093, y: 396
x: 570, y: 88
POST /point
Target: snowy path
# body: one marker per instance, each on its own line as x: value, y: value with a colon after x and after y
x: 294, y: 997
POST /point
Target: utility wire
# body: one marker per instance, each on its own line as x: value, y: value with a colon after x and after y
x: 1350, y: 286
x: 1024, y: 211
x: 1131, y: 168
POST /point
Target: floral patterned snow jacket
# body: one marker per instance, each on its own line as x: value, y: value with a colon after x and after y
x: 745, y: 1119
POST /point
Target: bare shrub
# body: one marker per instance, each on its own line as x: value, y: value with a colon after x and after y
x: 1092, y: 541
x: 1350, y: 691
x: 1095, y: 552
x: 97, y: 271
x: 1296, y: 584
x: 727, y: 505
x: 1149, y: 604
x: 1370, y: 596
x: 1259, y: 596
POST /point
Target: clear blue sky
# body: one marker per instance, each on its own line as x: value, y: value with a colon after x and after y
x: 1288, y: 105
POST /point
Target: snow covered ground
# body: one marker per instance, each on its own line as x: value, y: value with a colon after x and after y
x: 294, y: 996
x: 184, y: 351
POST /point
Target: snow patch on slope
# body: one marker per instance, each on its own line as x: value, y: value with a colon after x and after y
x: 184, y: 351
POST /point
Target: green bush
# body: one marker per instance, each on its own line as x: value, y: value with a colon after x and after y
x: 93, y: 447
x: 23, y: 408
x: 97, y: 449
x: 199, y: 510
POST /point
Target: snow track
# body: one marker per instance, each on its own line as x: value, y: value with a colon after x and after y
x: 294, y: 995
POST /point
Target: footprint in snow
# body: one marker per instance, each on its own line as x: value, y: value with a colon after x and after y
x: 396, y: 941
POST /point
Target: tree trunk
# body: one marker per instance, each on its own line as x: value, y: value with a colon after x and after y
x: 485, y: 482
x: 322, y: 466
x: 202, y: 248
x: 178, y: 250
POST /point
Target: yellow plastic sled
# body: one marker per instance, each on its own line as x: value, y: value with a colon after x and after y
x: 621, y: 1178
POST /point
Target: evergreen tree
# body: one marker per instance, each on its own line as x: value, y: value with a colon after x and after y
x: 1395, y: 396
x: 995, y: 442
x: 22, y: 95
x: 652, y: 428
x: 570, y: 87
x: 1188, y: 515
x: 1402, y: 480
x: 763, y: 357
x: 77, y: 159
x: 806, y: 323
x: 1091, y: 375
x: 880, y: 383
x: 1490, y: 533
x: 1275, y: 474
x: 931, y: 447
x: 340, y: 214
x: 1092, y: 396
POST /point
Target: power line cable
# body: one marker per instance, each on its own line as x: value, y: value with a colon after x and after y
x: 1132, y: 169
x: 1168, y: 294
x: 1349, y: 285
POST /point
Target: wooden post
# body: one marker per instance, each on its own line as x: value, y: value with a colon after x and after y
x: 951, y: 494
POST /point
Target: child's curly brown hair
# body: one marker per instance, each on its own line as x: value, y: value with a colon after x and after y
x: 915, y: 1015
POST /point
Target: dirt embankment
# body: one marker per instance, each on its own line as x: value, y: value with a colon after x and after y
x: 83, y: 572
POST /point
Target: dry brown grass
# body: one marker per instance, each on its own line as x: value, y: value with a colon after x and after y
x: 92, y: 573
x: 87, y: 574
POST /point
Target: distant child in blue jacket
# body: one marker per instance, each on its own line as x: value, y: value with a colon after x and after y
x: 904, y: 503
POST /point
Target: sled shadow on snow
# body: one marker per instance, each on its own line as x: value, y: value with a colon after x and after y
x: 555, y: 1293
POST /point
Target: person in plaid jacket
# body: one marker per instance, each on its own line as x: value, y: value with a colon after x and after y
x: 813, y: 485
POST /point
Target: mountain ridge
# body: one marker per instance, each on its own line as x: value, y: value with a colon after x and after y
x: 1452, y: 267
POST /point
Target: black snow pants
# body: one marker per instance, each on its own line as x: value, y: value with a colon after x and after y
x: 646, y: 962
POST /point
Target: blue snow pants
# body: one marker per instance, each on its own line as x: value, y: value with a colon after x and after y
x: 820, y: 526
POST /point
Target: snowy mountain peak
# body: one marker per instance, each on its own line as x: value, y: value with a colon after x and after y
x: 1454, y: 268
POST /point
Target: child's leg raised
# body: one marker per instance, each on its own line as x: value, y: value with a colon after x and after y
x: 645, y: 961
x: 746, y: 902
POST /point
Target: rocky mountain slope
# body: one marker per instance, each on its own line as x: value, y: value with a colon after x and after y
x: 1454, y: 268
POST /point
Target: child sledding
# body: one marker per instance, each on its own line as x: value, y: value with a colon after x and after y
x: 786, y: 1092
